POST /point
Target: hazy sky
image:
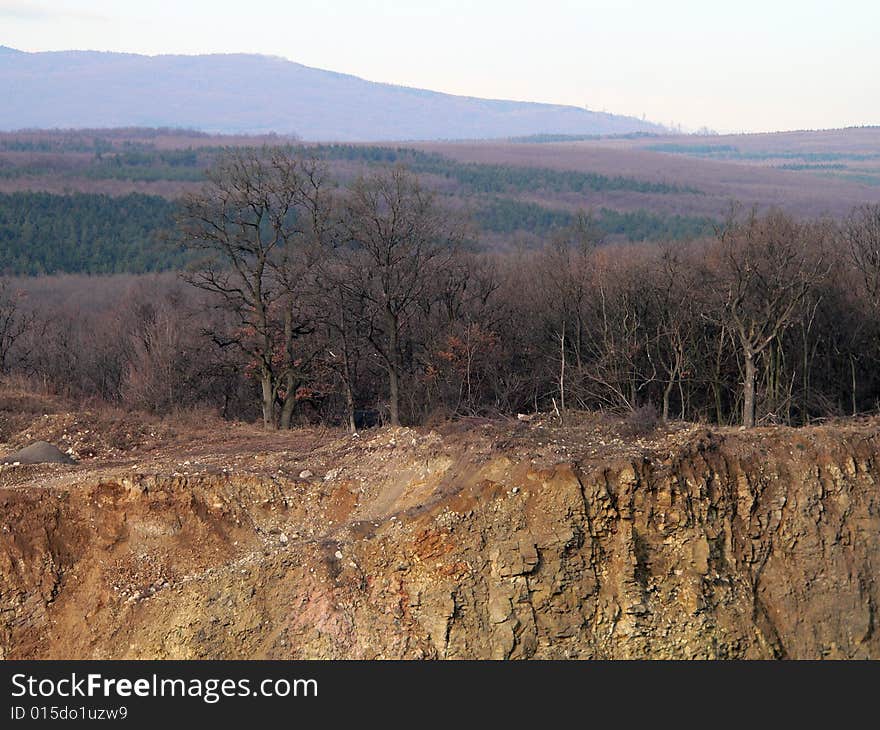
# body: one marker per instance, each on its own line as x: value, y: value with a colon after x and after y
x: 750, y: 65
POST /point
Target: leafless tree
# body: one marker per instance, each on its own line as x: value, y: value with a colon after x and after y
x: 14, y: 322
x: 260, y: 222
x: 675, y: 317
x: 402, y: 240
x: 862, y: 233
x: 766, y: 268
x: 340, y: 311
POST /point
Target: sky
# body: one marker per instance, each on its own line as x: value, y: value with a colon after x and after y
x: 730, y: 66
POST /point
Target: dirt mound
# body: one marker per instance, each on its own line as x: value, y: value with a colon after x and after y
x: 39, y: 452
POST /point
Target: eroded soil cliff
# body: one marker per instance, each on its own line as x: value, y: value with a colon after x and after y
x: 482, y: 540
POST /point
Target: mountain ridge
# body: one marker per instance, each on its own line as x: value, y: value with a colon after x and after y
x: 250, y: 93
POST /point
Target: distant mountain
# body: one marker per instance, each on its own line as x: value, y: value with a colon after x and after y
x: 257, y: 94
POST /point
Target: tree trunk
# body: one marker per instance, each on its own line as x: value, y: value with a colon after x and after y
x: 852, y: 369
x: 349, y: 405
x: 393, y: 374
x: 666, y: 391
x: 393, y: 396
x: 674, y: 376
x: 289, y: 390
x: 268, y: 396
x: 470, y: 357
x: 349, y: 391
x: 716, y: 380
x: 562, y: 369
x: 289, y: 403
x: 751, y: 376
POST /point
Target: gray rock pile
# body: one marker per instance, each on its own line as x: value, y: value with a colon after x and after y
x: 39, y: 452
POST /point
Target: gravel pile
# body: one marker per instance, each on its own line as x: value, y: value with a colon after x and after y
x: 39, y: 452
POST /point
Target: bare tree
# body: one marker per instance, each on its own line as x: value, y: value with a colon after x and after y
x: 340, y: 312
x: 14, y: 322
x: 675, y: 317
x: 862, y: 233
x: 402, y: 239
x: 765, y: 271
x: 562, y: 299
x: 260, y: 221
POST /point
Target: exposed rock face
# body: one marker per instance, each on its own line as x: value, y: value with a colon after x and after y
x: 729, y: 546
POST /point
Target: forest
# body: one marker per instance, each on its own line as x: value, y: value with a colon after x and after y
x: 44, y: 233
x: 306, y: 300
x: 100, y: 201
x: 41, y: 233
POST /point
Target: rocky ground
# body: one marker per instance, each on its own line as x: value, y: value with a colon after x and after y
x: 191, y: 538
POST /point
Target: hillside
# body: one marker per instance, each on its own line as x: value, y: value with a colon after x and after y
x: 255, y: 94
x: 98, y: 201
x: 482, y: 539
x: 808, y: 173
x: 112, y: 191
